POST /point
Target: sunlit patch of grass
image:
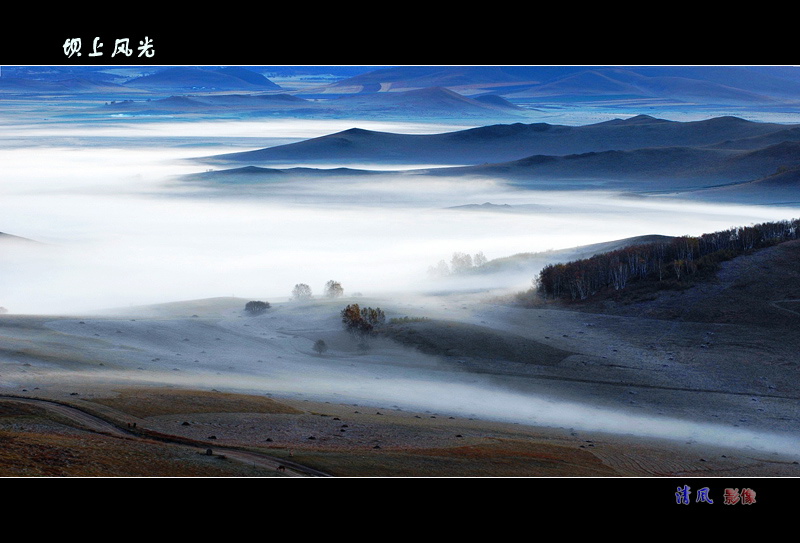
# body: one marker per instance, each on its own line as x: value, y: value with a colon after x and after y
x: 34, y: 454
x: 499, y: 459
x: 37, y: 443
x: 144, y: 403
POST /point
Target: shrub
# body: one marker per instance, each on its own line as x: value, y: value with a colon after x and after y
x: 401, y: 320
x: 320, y: 346
x: 256, y: 307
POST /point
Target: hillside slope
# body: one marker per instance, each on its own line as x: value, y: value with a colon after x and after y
x: 507, y: 142
x: 760, y: 290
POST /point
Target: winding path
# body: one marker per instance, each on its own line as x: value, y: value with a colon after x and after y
x: 96, y: 424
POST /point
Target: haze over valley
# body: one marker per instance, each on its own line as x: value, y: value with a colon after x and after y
x: 142, y: 208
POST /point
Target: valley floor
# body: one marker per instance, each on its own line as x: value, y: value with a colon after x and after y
x: 477, y: 389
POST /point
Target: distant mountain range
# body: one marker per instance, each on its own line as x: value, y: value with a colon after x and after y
x: 653, y: 169
x: 690, y: 84
x: 642, y: 154
x: 505, y: 142
x: 425, y: 92
x: 434, y: 103
x: 209, y: 79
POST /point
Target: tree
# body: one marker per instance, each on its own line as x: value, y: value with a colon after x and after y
x: 440, y: 270
x: 256, y: 307
x: 460, y: 262
x: 301, y: 291
x: 320, y: 346
x: 362, y: 321
x: 333, y: 289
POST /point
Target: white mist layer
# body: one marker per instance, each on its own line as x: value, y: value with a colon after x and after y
x: 116, y: 232
x: 474, y: 400
x: 119, y: 231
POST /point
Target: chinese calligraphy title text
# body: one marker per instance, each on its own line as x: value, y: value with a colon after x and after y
x: 72, y: 47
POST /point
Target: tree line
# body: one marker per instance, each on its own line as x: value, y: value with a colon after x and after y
x: 333, y: 289
x: 679, y: 259
x: 459, y: 263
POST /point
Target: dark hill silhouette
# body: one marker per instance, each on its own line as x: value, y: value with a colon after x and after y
x: 661, y: 168
x: 782, y: 187
x: 507, y: 142
x: 791, y: 133
x: 260, y: 175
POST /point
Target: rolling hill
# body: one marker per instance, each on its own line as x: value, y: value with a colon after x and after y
x: 530, y: 263
x: 718, y: 159
x: 437, y: 102
x: 649, y: 169
x: 720, y: 85
x: 507, y: 142
x: 782, y: 187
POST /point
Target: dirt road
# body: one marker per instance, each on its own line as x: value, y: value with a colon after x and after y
x: 96, y: 424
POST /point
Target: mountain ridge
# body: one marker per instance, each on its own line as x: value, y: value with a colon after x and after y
x: 505, y: 142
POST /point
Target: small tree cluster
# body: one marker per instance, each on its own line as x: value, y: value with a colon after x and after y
x: 459, y: 263
x: 256, y: 307
x: 362, y: 320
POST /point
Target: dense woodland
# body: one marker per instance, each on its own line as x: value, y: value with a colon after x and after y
x: 678, y: 260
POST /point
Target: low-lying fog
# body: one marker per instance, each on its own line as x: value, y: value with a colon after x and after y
x: 117, y: 230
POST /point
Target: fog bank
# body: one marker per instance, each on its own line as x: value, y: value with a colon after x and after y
x: 119, y: 227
